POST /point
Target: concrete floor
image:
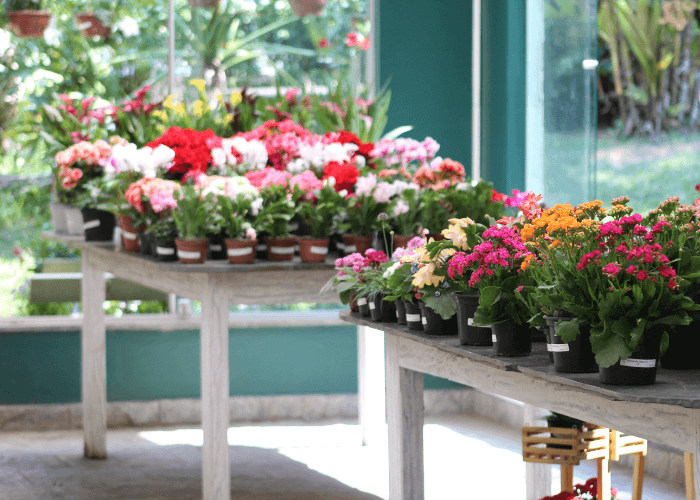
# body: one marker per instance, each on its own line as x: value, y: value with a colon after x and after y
x: 466, y: 457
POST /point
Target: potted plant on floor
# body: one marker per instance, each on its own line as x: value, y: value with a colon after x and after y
x: 27, y: 17
x: 195, y: 216
x: 319, y: 213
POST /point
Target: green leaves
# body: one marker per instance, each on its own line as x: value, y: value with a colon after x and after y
x: 444, y: 305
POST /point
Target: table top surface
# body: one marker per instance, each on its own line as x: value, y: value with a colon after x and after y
x: 209, y: 266
x: 673, y: 387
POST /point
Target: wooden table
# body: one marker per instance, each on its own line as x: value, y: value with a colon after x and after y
x: 667, y: 412
x: 217, y: 284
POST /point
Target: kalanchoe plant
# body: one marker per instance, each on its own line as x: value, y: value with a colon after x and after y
x: 194, y: 215
x: 150, y: 198
x: 353, y: 271
x: 76, y: 166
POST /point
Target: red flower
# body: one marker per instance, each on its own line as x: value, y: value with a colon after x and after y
x: 345, y: 175
x: 323, y: 43
x: 192, y: 152
x: 496, y: 196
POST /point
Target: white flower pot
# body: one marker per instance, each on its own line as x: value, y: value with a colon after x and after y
x: 58, y: 217
x: 74, y: 220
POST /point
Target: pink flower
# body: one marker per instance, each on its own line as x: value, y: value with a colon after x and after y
x: 323, y: 43
x: 520, y: 288
x: 611, y: 270
x: 291, y: 95
x: 364, y: 45
x: 351, y: 39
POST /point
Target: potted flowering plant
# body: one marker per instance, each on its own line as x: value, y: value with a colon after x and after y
x: 361, y: 217
x: 195, y: 217
x: 319, y: 214
x: 27, y: 17
x: 273, y: 219
x: 148, y: 199
x: 404, y: 215
x: 400, y: 287
x: 164, y: 232
x: 499, y: 269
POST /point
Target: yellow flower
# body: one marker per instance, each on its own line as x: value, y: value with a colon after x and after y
x: 169, y: 102
x: 424, y: 276
x: 198, y: 108
x: 219, y: 96
x: 462, y: 222
x: 199, y: 83
x: 236, y: 98
x: 228, y: 118
x: 160, y: 114
x: 180, y: 109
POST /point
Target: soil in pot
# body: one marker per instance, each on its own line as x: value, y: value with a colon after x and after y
x: 165, y: 250
x: 576, y: 356
x: 192, y: 251
x: 313, y: 249
x: 98, y: 225
x: 413, y: 316
x: 682, y: 348
x: 240, y: 251
x: 217, y: 247
x: 280, y: 248
x: 467, y: 333
x: 511, y: 339
x: 382, y: 310
x: 640, y: 367
x: 354, y: 243
x: 434, y: 324
x: 400, y: 312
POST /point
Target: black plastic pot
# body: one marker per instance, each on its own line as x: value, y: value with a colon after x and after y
x: 400, y: 312
x: 434, y: 324
x: 363, y: 305
x: 576, y: 356
x: 217, y: 247
x: 468, y: 334
x: 165, y: 250
x: 413, y: 316
x: 682, y: 348
x: 98, y: 225
x: 511, y: 339
x: 148, y: 243
x: 640, y: 368
x: 382, y: 310
x: 561, y: 424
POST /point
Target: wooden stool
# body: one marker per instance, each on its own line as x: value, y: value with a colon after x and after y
x: 590, y: 443
x: 689, y: 480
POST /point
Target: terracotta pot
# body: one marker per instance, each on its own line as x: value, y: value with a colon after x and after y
x: 313, y: 249
x: 302, y: 8
x: 354, y: 243
x: 130, y: 234
x: 280, y: 248
x: 91, y: 25
x: 29, y: 23
x: 240, y: 251
x: 192, y: 251
x: 401, y: 241
x: 353, y: 303
x: 435, y: 236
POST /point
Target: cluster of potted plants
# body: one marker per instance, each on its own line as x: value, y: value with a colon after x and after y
x: 278, y: 185
x: 612, y: 289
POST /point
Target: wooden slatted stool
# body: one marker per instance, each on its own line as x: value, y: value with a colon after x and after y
x: 624, y: 444
x: 566, y: 447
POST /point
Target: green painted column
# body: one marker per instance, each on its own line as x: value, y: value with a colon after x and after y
x: 425, y: 48
x: 503, y: 94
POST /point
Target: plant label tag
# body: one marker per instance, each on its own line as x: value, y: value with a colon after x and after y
x: 397, y: 314
x: 638, y: 363
x: 91, y: 224
x: 372, y: 306
x: 319, y: 250
x: 189, y: 255
x: 238, y: 252
x: 413, y: 318
x: 558, y: 347
x: 350, y: 249
x: 282, y: 250
x: 493, y: 337
x: 128, y: 235
x: 215, y: 248
x: 424, y: 320
x: 362, y: 302
x: 165, y: 251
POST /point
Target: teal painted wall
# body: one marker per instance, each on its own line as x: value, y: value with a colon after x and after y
x: 425, y: 48
x: 503, y: 94
x: 144, y: 365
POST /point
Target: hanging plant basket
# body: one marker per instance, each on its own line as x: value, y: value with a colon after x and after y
x: 206, y: 4
x: 91, y: 26
x: 302, y: 8
x: 29, y: 23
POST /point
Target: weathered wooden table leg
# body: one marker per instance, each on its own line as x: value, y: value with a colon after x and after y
x: 538, y: 477
x: 93, y: 358
x: 371, y: 388
x: 216, y: 473
x: 404, y: 403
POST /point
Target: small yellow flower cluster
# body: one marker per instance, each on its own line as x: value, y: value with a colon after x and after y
x: 455, y: 232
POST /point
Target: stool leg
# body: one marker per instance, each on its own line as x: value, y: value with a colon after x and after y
x: 567, y: 477
x: 604, y: 478
x: 638, y: 477
x: 689, y: 481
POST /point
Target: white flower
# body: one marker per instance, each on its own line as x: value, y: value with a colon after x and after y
x: 360, y: 161
x: 400, y: 208
x: 391, y: 270
x: 296, y: 166
x: 365, y: 185
x: 128, y: 26
x: 218, y: 156
x: 383, y: 192
x: 253, y: 152
x: 256, y: 206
